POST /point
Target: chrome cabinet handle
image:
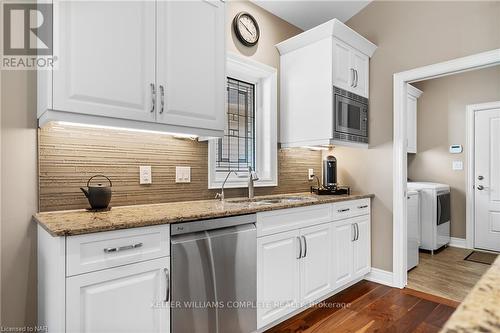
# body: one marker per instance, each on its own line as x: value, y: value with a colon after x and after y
x: 122, y: 248
x: 167, y: 289
x: 162, y: 99
x: 357, y: 231
x: 366, y: 206
x: 353, y: 77
x: 356, y: 77
x: 300, y: 247
x: 353, y: 229
x: 343, y: 210
x: 153, y: 97
x: 305, y: 246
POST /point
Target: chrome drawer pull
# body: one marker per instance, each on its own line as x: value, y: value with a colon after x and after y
x: 364, y: 206
x: 343, y: 210
x: 122, y: 248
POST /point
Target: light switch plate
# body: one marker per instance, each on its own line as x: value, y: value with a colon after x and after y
x: 182, y: 174
x: 458, y: 165
x: 310, y: 173
x: 145, y: 176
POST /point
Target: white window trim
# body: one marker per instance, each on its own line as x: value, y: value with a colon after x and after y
x: 265, y: 79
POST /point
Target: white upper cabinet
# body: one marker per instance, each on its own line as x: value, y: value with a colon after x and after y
x: 154, y: 65
x: 350, y: 69
x: 311, y: 65
x: 191, y: 63
x: 107, y: 59
x: 411, y: 121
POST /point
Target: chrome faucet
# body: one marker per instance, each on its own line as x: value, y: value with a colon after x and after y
x: 220, y: 195
x: 252, y: 176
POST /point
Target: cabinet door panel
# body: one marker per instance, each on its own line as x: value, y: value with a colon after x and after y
x: 191, y: 63
x: 277, y: 276
x: 342, y: 239
x: 360, y: 63
x: 362, y: 247
x: 315, y: 266
x: 123, y: 299
x: 342, y: 73
x: 107, y: 59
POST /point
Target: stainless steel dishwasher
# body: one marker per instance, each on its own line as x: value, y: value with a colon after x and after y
x: 214, y: 275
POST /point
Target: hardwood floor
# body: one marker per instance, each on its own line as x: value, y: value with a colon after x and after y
x: 371, y: 307
x: 446, y: 274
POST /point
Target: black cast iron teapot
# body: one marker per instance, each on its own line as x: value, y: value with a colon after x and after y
x: 98, y: 195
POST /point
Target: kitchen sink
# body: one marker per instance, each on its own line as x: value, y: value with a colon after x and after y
x: 270, y: 201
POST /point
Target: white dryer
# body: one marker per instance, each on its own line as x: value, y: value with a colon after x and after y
x: 435, y: 214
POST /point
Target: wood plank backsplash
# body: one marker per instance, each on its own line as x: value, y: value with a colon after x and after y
x: 69, y: 155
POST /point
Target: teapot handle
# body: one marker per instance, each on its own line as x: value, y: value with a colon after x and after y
x: 109, y: 180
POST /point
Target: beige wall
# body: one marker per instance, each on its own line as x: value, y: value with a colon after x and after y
x: 408, y: 35
x: 441, y: 122
x: 19, y: 168
x: 19, y: 198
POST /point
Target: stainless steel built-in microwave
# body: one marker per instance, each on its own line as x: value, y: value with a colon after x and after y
x: 350, y: 113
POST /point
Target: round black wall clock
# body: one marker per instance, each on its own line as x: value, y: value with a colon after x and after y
x: 246, y: 29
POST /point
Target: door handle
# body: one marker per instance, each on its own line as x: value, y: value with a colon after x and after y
x: 480, y: 177
x: 167, y: 281
x: 153, y: 97
x: 300, y: 247
x: 481, y: 187
x: 305, y: 246
x: 122, y: 248
x: 162, y: 99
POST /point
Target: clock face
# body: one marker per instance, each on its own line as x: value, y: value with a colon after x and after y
x: 246, y: 29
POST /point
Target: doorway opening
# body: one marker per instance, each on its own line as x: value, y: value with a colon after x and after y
x: 400, y: 161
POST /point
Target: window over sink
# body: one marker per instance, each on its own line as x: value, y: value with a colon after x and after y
x: 250, y: 135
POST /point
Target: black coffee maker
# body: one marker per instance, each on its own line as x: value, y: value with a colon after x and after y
x: 330, y: 172
x: 330, y: 185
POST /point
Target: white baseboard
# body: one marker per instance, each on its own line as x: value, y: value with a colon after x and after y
x: 458, y: 242
x: 380, y: 276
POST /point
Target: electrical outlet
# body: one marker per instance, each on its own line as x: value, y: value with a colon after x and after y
x: 310, y: 173
x: 457, y: 165
x: 182, y: 174
x: 145, y: 176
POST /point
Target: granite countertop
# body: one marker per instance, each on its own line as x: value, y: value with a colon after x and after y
x: 77, y: 222
x: 480, y: 310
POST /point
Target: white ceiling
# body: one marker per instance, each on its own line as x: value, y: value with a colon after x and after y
x: 307, y: 14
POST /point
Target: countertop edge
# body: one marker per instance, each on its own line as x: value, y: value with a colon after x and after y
x: 89, y: 228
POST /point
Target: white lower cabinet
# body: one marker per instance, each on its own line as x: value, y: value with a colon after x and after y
x: 300, y: 266
x: 131, y: 298
x: 342, y: 238
x: 315, y: 265
x: 277, y: 275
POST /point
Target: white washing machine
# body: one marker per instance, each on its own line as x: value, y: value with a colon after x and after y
x: 435, y: 214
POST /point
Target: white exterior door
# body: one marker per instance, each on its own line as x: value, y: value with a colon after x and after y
x: 277, y: 276
x: 362, y: 246
x: 360, y: 64
x: 343, y: 74
x: 191, y: 63
x: 106, y: 64
x: 315, y: 265
x: 342, y: 239
x: 129, y: 298
x: 487, y: 179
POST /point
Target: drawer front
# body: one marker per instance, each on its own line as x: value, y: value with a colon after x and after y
x: 282, y: 220
x: 347, y: 209
x: 92, y: 252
